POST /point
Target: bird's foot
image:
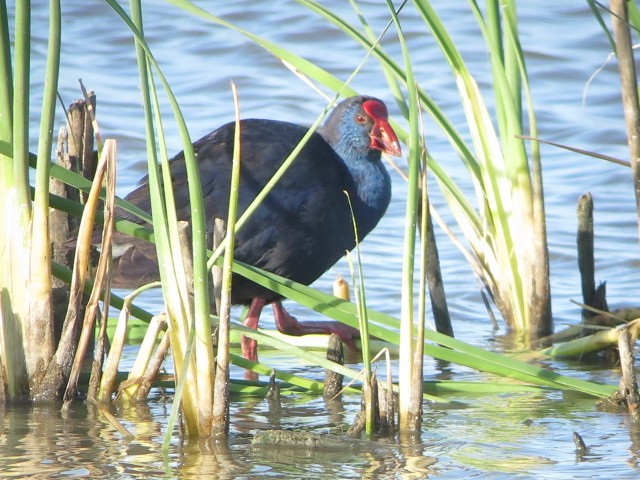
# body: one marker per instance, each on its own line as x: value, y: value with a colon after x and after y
x: 289, y: 325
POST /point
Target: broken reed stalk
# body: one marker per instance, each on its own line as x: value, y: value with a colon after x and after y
x: 628, y: 382
x: 585, y: 245
x: 106, y: 168
x: 386, y: 411
x: 592, y: 296
x: 74, y: 152
x: 629, y: 85
x: 390, y: 405
x: 61, y: 224
x: 153, y: 367
x: 110, y: 373
x: 216, y: 271
x: 58, y: 369
x: 104, y: 270
x: 99, y: 352
x: 333, y: 381
x: 129, y: 389
x: 81, y: 138
x: 273, y: 393
x: 370, y: 418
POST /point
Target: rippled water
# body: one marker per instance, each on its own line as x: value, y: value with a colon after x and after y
x: 503, y: 436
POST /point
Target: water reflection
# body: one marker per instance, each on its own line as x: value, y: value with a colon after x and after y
x: 506, y: 435
x: 200, y: 459
x: 45, y: 444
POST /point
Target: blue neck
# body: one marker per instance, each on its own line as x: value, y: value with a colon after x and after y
x: 372, y: 186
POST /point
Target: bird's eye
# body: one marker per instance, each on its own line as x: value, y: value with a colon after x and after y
x: 361, y: 118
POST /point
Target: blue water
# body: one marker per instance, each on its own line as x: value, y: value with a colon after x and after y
x: 503, y: 436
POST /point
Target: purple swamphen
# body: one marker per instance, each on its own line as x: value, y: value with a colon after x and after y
x: 305, y: 224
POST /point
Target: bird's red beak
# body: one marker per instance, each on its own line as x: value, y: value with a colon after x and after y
x: 382, y: 135
x: 384, y: 138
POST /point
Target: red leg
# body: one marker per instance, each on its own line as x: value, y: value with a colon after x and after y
x: 248, y: 345
x: 289, y: 325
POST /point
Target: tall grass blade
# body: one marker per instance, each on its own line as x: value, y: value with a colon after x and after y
x: 411, y: 350
x: 39, y: 323
x: 18, y: 177
x: 179, y: 311
x: 15, y: 202
x: 6, y: 72
x: 221, y: 398
x: 443, y: 346
x: 185, y: 315
x: 629, y: 87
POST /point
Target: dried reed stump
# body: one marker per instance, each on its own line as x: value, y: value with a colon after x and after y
x: 627, y: 397
x: 591, y: 296
x: 332, y: 380
x: 628, y: 382
x: 273, y: 393
x: 74, y: 152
